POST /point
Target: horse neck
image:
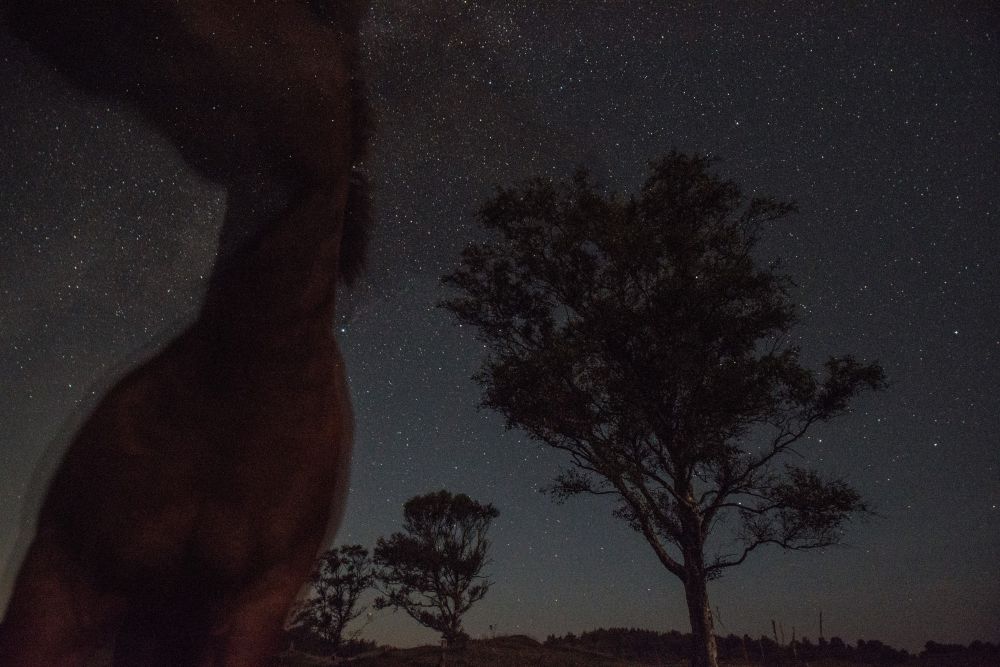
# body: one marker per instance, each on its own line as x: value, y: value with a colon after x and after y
x: 274, y: 284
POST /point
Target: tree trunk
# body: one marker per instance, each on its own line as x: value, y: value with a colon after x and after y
x: 703, y: 649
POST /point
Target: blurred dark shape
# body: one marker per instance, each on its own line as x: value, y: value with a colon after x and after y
x: 248, y: 94
x: 187, y: 512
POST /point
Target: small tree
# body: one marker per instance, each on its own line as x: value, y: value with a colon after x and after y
x: 432, y: 571
x: 342, y: 575
x: 639, y: 336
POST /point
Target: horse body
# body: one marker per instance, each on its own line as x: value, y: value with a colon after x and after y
x: 186, y: 513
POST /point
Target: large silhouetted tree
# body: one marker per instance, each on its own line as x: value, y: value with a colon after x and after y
x: 433, y: 570
x: 342, y: 575
x: 640, y: 336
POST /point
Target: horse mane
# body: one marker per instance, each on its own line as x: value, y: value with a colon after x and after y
x: 346, y: 16
x: 358, y: 215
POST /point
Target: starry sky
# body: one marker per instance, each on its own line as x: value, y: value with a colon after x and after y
x: 881, y: 119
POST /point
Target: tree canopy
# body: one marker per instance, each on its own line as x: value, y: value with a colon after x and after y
x: 641, y: 336
x: 433, y: 569
x: 342, y: 575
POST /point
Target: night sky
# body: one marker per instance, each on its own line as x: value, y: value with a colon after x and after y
x: 881, y: 120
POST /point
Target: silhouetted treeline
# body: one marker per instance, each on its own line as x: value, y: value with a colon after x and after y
x: 650, y: 646
x: 629, y: 643
x: 304, y: 641
x: 871, y: 652
x: 976, y: 654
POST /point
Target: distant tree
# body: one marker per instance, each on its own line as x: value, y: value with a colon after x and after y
x: 640, y: 336
x: 977, y: 653
x: 432, y: 570
x: 341, y: 576
x: 875, y: 652
x: 837, y: 648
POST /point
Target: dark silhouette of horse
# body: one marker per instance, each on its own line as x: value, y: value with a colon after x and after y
x: 188, y: 509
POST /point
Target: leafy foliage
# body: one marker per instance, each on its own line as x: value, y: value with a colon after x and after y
x: 640, y: 336
x: 342, y: 575
x: 432, y: 570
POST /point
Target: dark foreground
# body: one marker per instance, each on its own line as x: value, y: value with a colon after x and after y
x: 522, y: 651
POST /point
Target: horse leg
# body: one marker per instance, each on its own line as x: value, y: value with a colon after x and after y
x: 57, y: 616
